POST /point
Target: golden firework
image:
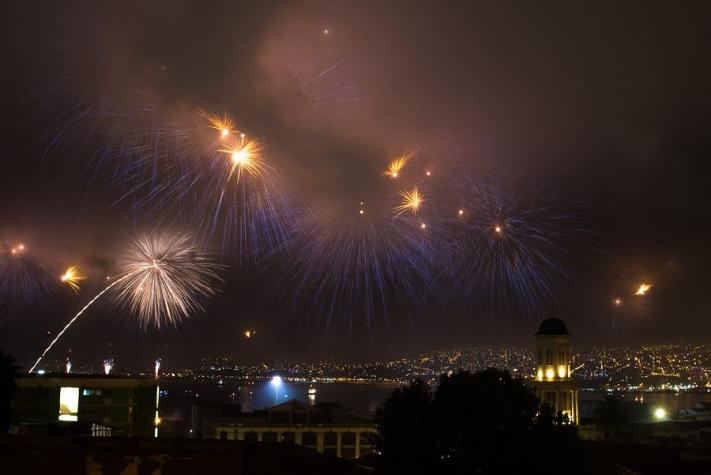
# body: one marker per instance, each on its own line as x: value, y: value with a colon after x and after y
x: 72, y: 277
x: 245, y: 157
x: 411, y: 201
x: 643, y: 289
x: 396, y: 165
x: 222, y: 123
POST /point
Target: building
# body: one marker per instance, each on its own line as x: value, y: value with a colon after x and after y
x: 118, y: 404
x: 552, y: 383
x: 315, y: 427
x: 141, y: 455
x: 700, y: 412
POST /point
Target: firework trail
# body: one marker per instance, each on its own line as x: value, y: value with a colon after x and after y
x: 162, y: 277
x: 79, y: 314
x: 317, y: 88
x: 108, y: 366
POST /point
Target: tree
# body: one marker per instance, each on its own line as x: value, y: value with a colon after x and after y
x: 610, y: 416
x: 8, y: 375
x: 407, y: 437
x: 486, y: 422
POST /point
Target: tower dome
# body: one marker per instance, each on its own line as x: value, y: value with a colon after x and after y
x: 552, y: 326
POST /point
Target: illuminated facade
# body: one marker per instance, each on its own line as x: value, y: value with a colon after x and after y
x: 128, y: 405
x: 314, y: 427
x: 552, y: 383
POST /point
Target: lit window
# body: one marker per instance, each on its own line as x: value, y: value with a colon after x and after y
x: 68, y: 404
x: 561, y: 372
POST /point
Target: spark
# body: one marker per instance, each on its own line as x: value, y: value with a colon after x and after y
x: 411, y: 201
x: 617, y: 301
x: 428, y: 173
x: 245, y: 157
x: 423, y: 226
x: 643, y: 289
x: 498, y: 229
x: 221, y: 123
x: 460, y: 212
x: 397, y: 165
x: 72, y: 277
x: 108, y: 365
x: 249, y: 333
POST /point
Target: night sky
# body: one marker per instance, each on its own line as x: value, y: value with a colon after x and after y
x: 604, y: 105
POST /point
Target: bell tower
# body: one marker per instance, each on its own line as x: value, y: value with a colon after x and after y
x: 553, y: 384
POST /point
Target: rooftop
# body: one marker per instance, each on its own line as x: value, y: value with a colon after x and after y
x: 552, y: 326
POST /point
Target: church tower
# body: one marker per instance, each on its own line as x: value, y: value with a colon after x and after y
x: 553, y: 384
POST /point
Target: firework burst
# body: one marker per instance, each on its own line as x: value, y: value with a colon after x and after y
x: 358, y: 271
x: 643, y: 289
x: 516, y: 255
x: 397, y: 165
x: 25, y: 281
x: 72, y: 277
x: 166, y: 276
x: 411, y: 201
x: 222, y: 123
x: 245, y: 157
